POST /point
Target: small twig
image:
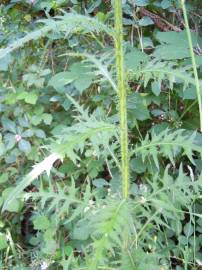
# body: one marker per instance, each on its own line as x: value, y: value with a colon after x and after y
x: 159, y: 21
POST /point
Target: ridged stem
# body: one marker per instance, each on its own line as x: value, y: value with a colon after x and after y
x: 122, y: 96
x: 198, y: 90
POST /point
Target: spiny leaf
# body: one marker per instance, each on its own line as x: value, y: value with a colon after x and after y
x: 62, y: 200
x: 111, y: 225
x: 44, y: 166
x: 160, y: 71
x: 173, y: 196
x: 67, y: 23
x: 70, y: 140
x: 168, y: 144
x: 101, y: 67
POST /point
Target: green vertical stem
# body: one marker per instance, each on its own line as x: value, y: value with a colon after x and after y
x: 122, y: 96
x: 198, y: 90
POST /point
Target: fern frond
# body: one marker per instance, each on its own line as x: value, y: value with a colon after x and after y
x: 169, y: 145
x: 68, y: 23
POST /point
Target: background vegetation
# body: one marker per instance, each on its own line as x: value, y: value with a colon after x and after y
x: 63, y: 199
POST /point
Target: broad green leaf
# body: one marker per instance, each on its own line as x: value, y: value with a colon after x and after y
x: 10, y: 141
x: 45, y: 72
x: 83, y: 76
x: 24, y: 146
x: 47, y: 118
x: 156, y: 88
x: 100, y: 182
x: 141, y: 112
x: 68, y: 250
x: 40, y: 133
x: 21, y: 95
x: 2, y: 149
x: 147, y: 42
x: 13, y: 206
x: 10, y: 98
x: 166, y: 4
x: 50, y: 247
x: 1, y: 201
x: 173, y: 38
x: 198, y: 59
x: 137, y: 165
x: 79, y: 74
x: 3, y: 178
x: 61, y: 79
x: 50, y: 231
x: 183, y: 240
x: 8, y: 124
x: 171, y: 52
x: 83, y: 83
x: 81, y: 231
x: 145, y: 21
x: 27, y: 133
x: 41, y: 223
x: 135, y: 58
x: 4, y: 63
x: 137, y: 108
x: 188, y: 229
x: 33, y: 79
x: 3, y: 241
x: 190, y: 93
x: 31, y: 98
x: 142, y: 3
x: 176, y: 226
x: 101, y: 68
x: 36, y: 119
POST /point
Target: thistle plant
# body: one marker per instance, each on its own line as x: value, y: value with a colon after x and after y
x: 95, y: 222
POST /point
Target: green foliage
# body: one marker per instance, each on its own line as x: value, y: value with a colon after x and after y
x: 78, y: 74
x: 138, y: 259
x: 67, y: 23
x: 111, y: 226
x: 61, y: 200
x: 159, y: 71
x: 71, y: 106
x: 168, y: 144
x: 3, y: 242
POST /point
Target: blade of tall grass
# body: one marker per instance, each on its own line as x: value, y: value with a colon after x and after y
x: 198, y: 89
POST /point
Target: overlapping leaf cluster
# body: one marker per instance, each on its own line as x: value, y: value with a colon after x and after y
x: 59, y: 144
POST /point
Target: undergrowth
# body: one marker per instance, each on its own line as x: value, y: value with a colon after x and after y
x: 109, y: 117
